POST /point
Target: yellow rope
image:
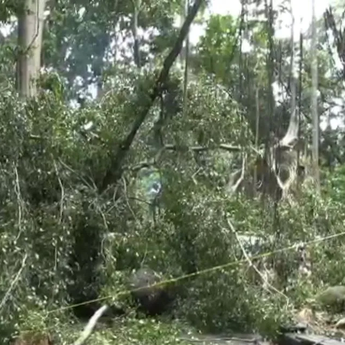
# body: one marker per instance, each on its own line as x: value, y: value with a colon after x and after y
x: 201, y: 272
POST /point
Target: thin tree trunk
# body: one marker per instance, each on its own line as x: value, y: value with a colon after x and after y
x: 292, y: 67
x: 30, y: 30
x: 314, y: 112
x: 182, y: 19
x: 186, y: 62
x: 300, y: 67
x: 257, y: 126
x: 136, y: 11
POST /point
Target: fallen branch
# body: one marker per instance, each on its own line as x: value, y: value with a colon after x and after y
x: 171, y: 147
x: 90, y: 325
x: 20, y: 203
x: 62, y: 191
x: 115, y: 170
x: 13, y: 283
x: 267, y: 285
x: 225, y: 147
x: 234, y: 188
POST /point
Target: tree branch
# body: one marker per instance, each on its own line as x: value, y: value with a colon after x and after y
x: 115, y: 171
x: 225, y: 147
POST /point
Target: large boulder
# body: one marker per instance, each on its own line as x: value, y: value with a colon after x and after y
x: 152, y: 300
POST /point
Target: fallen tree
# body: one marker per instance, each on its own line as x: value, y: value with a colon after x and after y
x: 115, y: 171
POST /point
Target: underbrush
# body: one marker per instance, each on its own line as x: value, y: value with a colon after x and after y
x: 64, y: 241
x: 120, y: 331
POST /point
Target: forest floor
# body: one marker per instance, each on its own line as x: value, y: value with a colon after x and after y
x: 132, y: 330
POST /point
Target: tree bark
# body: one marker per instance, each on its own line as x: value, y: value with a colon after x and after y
x: 30, y: 30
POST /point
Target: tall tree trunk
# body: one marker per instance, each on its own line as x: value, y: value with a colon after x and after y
x: 182, y: 19
x: 300, y: 69
x: 257, y: 126
x: 186, y: 62
x: 30, y: 30
x: 314, y: 111
x: 292, y: 67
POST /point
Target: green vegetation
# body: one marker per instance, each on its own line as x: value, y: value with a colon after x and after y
x: 184, y: 177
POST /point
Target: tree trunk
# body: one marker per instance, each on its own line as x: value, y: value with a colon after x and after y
x: 30, y: 30
x: 257, y: 126
x: 136, y: 10
x: 186, y: 62
x: 314, y: 112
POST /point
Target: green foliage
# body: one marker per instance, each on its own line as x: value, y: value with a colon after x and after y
x: 132, y: 331
x: 63, y: 241
x: 218, y: 46
x: 9, y: 8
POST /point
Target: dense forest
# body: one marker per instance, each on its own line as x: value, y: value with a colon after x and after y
x: 174, y: 186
